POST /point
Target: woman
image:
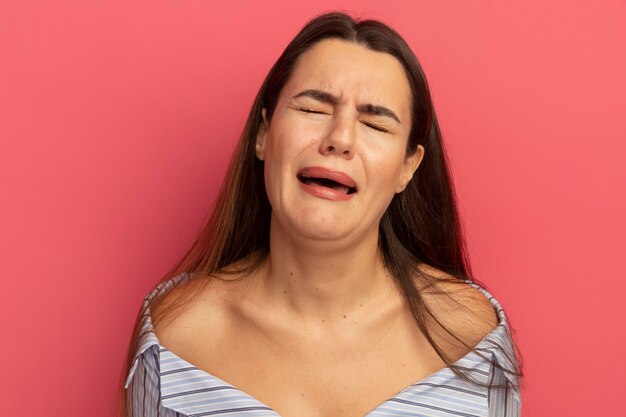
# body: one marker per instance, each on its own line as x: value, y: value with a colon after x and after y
x: 330, y: 279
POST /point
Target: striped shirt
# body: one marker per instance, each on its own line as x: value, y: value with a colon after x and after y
x: 162, y: 384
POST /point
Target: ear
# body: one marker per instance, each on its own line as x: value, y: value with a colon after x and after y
x: 409, y: 167
x: 260, y: 137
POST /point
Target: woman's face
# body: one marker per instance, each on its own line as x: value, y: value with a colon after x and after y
x: 334, y: 151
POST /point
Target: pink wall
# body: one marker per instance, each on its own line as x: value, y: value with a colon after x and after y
x: 117, y: 118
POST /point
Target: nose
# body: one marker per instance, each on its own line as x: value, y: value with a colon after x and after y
x: 340, y: 139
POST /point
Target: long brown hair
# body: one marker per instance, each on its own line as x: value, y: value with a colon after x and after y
x: 421, y: 225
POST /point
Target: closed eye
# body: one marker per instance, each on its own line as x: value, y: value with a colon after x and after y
x: 380, y: 129
x: 304, y: 109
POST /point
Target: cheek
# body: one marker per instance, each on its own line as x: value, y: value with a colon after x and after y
x: 281, y: 155
x: 277, y: 150
x: 386, y: 167
x: 289, y: 139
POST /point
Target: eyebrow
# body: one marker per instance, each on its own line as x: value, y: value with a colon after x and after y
x: 366, y: 108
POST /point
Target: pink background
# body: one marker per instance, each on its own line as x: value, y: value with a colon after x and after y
x: 117, y: 119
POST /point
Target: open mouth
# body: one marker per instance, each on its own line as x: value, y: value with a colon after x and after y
x: 326, y: 182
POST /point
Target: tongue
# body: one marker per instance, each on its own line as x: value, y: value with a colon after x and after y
x: 330, y: 184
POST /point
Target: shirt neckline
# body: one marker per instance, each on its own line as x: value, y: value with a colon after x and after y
x: 468, y: 362
x: 496, y: 345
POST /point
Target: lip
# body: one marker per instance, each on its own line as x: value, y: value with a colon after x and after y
x: 327, y: 192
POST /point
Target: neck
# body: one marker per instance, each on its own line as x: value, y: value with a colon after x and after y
x: 325, y: 281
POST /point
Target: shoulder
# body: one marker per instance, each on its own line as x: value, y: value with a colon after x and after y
x: 199, y: 304
x: 460, y: 308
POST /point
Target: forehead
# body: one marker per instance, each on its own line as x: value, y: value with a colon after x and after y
x: 352, y: 72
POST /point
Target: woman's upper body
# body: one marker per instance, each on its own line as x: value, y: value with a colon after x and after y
x: 337, y: 198
x: 232, y: 353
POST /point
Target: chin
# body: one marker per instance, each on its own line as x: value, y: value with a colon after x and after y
x: 318, y: 226
x: 323, y: 227
x: 323, y: 234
